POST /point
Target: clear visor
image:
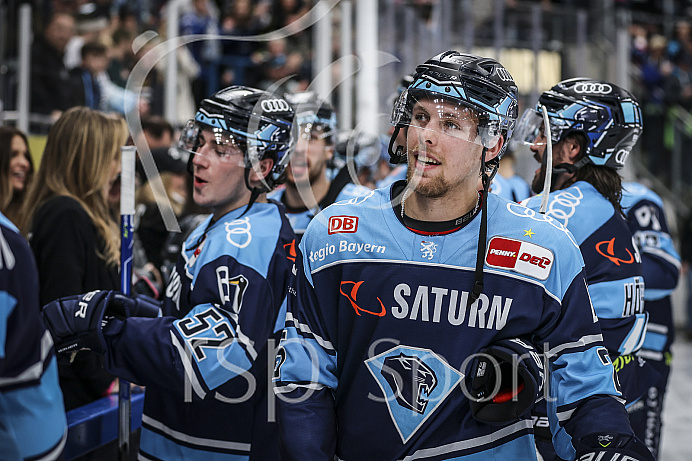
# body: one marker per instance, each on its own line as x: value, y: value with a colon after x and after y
x: 227, y: 146
x: 530, y: 129
x: 444, y: 116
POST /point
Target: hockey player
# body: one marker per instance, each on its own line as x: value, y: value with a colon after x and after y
x: 399, y: 291
x: 593, y: 126
x: 507, y: 183
x: 32, y: 415
x: 204, y: 362
x: 308, y: 189
x: 661, y: 265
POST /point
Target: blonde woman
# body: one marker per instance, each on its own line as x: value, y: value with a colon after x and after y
x: 16, y: 171
x: 74, y: 239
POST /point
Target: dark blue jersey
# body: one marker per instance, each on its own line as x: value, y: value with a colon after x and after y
x: 32, y: 415
x: 612, y: 262
x: 205, y: 362
x: 661, y: 265
x: 380, y: 330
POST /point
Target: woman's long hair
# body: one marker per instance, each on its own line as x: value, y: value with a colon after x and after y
x: 81, y: 151
x: 11, y: 200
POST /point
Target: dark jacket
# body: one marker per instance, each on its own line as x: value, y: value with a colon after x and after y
x: 65, y: 243
x: 51, y: 87
x: 86, y: 89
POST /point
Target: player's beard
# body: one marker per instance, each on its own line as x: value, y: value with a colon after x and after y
x: 305, y: 183
x: 433, y: 187
x: 538, y: 180
x: 313, y: 174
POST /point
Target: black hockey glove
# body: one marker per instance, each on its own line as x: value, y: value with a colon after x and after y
x: 76, y: 322
x: 504, y: 381
x: 609, y: 446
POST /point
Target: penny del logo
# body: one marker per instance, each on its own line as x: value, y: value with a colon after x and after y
x: 518, y: 256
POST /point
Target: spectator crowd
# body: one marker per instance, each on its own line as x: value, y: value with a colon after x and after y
x: 83, y: 52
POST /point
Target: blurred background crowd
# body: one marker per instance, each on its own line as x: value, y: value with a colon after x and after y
x: 82, y: 52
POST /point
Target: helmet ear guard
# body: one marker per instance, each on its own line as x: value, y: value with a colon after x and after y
x: 490, y: 135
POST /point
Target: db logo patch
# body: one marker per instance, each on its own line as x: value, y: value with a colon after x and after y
x: 342, y: 225
x: 521, y: 257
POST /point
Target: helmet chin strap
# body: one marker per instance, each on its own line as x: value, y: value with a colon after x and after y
x: 255, y: 192
x: 398, y: 156
x: 571, y: 167
x: 483, y: 234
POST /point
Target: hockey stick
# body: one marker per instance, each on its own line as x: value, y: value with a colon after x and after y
x: 127, y: 211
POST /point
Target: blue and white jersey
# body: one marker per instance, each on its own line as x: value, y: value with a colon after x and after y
x: 612, y: 261
x: 398, y: 173
x: 380, y: 329
x: 204, y: 363
x: 660, y: 262
x: 514, y: 188
x: 32, y: 415
x: 300, y: 219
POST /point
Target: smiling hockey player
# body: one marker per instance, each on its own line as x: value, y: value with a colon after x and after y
x: 380, y: 358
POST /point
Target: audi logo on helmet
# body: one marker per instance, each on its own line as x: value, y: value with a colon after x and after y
x: 621, y: 156
x: 504, y: 74
x: 275, y: 105
x: 593, y: 88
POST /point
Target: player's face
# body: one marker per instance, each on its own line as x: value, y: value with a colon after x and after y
x: 19, y: 163
x: 444, y: 155
x: 309, y: 161
x: 218, y: 175
x: 560, y: 155
x: 538, y: 148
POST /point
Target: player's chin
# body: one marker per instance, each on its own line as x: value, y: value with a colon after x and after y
x: 199, y: 198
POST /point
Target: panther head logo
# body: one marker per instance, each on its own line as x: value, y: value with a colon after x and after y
x: 410, y: 379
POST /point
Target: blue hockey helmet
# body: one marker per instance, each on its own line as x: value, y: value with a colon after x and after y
x: 607, y: 115
x: 481, y: 85
x: 314, y: 116
x: 258, y: 122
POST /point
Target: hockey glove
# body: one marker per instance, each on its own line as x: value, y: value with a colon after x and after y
x: 76, y: 322
x: 610, y: 446
x: 504, y: 381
